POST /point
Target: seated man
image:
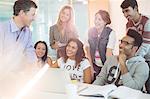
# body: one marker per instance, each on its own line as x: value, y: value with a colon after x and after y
x: 125, y: 69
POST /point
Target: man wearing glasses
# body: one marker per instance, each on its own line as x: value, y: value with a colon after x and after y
x: 140, y: 23
x: 125, y: 69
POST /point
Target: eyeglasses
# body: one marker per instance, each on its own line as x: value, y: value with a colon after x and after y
x: 125, y: 42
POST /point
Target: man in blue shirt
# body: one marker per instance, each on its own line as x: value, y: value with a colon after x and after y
x: 15, y: 35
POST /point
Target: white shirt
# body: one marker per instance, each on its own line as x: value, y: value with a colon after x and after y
x: 76, y: 73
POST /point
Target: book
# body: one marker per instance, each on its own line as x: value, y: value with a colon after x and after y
x: 123, y: 92
x: 113, y: 92
x: 98, y: 91
x: 144, y: 96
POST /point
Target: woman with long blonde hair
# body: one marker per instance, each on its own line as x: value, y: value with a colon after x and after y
x: 63, y: 30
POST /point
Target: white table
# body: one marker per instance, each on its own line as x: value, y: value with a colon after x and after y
x: 13, y: 83
x: 44, y: 95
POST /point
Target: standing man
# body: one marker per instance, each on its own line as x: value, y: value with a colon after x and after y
x: 126, y: 69
x: 141, y: 24
x: 15, y: 34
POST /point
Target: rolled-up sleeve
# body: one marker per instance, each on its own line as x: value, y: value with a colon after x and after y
x: 30, y: 51
x: 112, y: 40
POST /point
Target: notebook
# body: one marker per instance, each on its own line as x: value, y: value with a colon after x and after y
x: 98, y: 91
x: 54, y: 80
x: 113, y: 92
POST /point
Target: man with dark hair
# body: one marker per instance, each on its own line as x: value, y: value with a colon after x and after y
x: 141, y: 24
x: 125, y: 69
x: 24, y: 5
x: 15, y: 34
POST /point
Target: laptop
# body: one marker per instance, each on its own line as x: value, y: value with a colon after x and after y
x: 54, y: 80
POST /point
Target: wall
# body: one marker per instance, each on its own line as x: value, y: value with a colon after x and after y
x: 94, y: 6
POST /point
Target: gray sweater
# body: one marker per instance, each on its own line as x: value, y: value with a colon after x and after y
x: 55, y: 35
x: 135, y: 78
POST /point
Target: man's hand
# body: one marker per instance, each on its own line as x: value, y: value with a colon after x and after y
x: 122, y: 61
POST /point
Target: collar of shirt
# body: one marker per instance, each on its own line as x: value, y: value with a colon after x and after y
x: 14, y: 28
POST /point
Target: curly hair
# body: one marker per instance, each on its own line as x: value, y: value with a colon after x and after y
x: 80, y: 52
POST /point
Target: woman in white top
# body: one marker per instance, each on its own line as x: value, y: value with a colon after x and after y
x: 73, y: 60
x: 101, y: 39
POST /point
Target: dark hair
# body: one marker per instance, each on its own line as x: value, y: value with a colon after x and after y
x: 138, y: 40
x: 24, y: 5
x: 45, y: 55
x: 80, y: 52
x: 127, y: 3
x: 105, y: 16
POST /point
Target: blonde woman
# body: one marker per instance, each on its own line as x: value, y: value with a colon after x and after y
x: 63, y: 30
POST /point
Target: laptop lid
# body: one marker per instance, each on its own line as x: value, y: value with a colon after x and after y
x: 54, y: 80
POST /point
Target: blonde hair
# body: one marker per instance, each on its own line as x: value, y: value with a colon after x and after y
x: 70, y: 26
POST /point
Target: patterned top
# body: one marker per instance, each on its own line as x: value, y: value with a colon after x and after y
x: 76, y: 72
x: 138, y: 72
x: 143, y: 27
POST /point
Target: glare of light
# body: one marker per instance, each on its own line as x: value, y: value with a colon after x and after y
x: 85, y: 2
x: 82, y: 0
x: 60, y: 0
x: 6, y: 3
x: 30, y: 84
